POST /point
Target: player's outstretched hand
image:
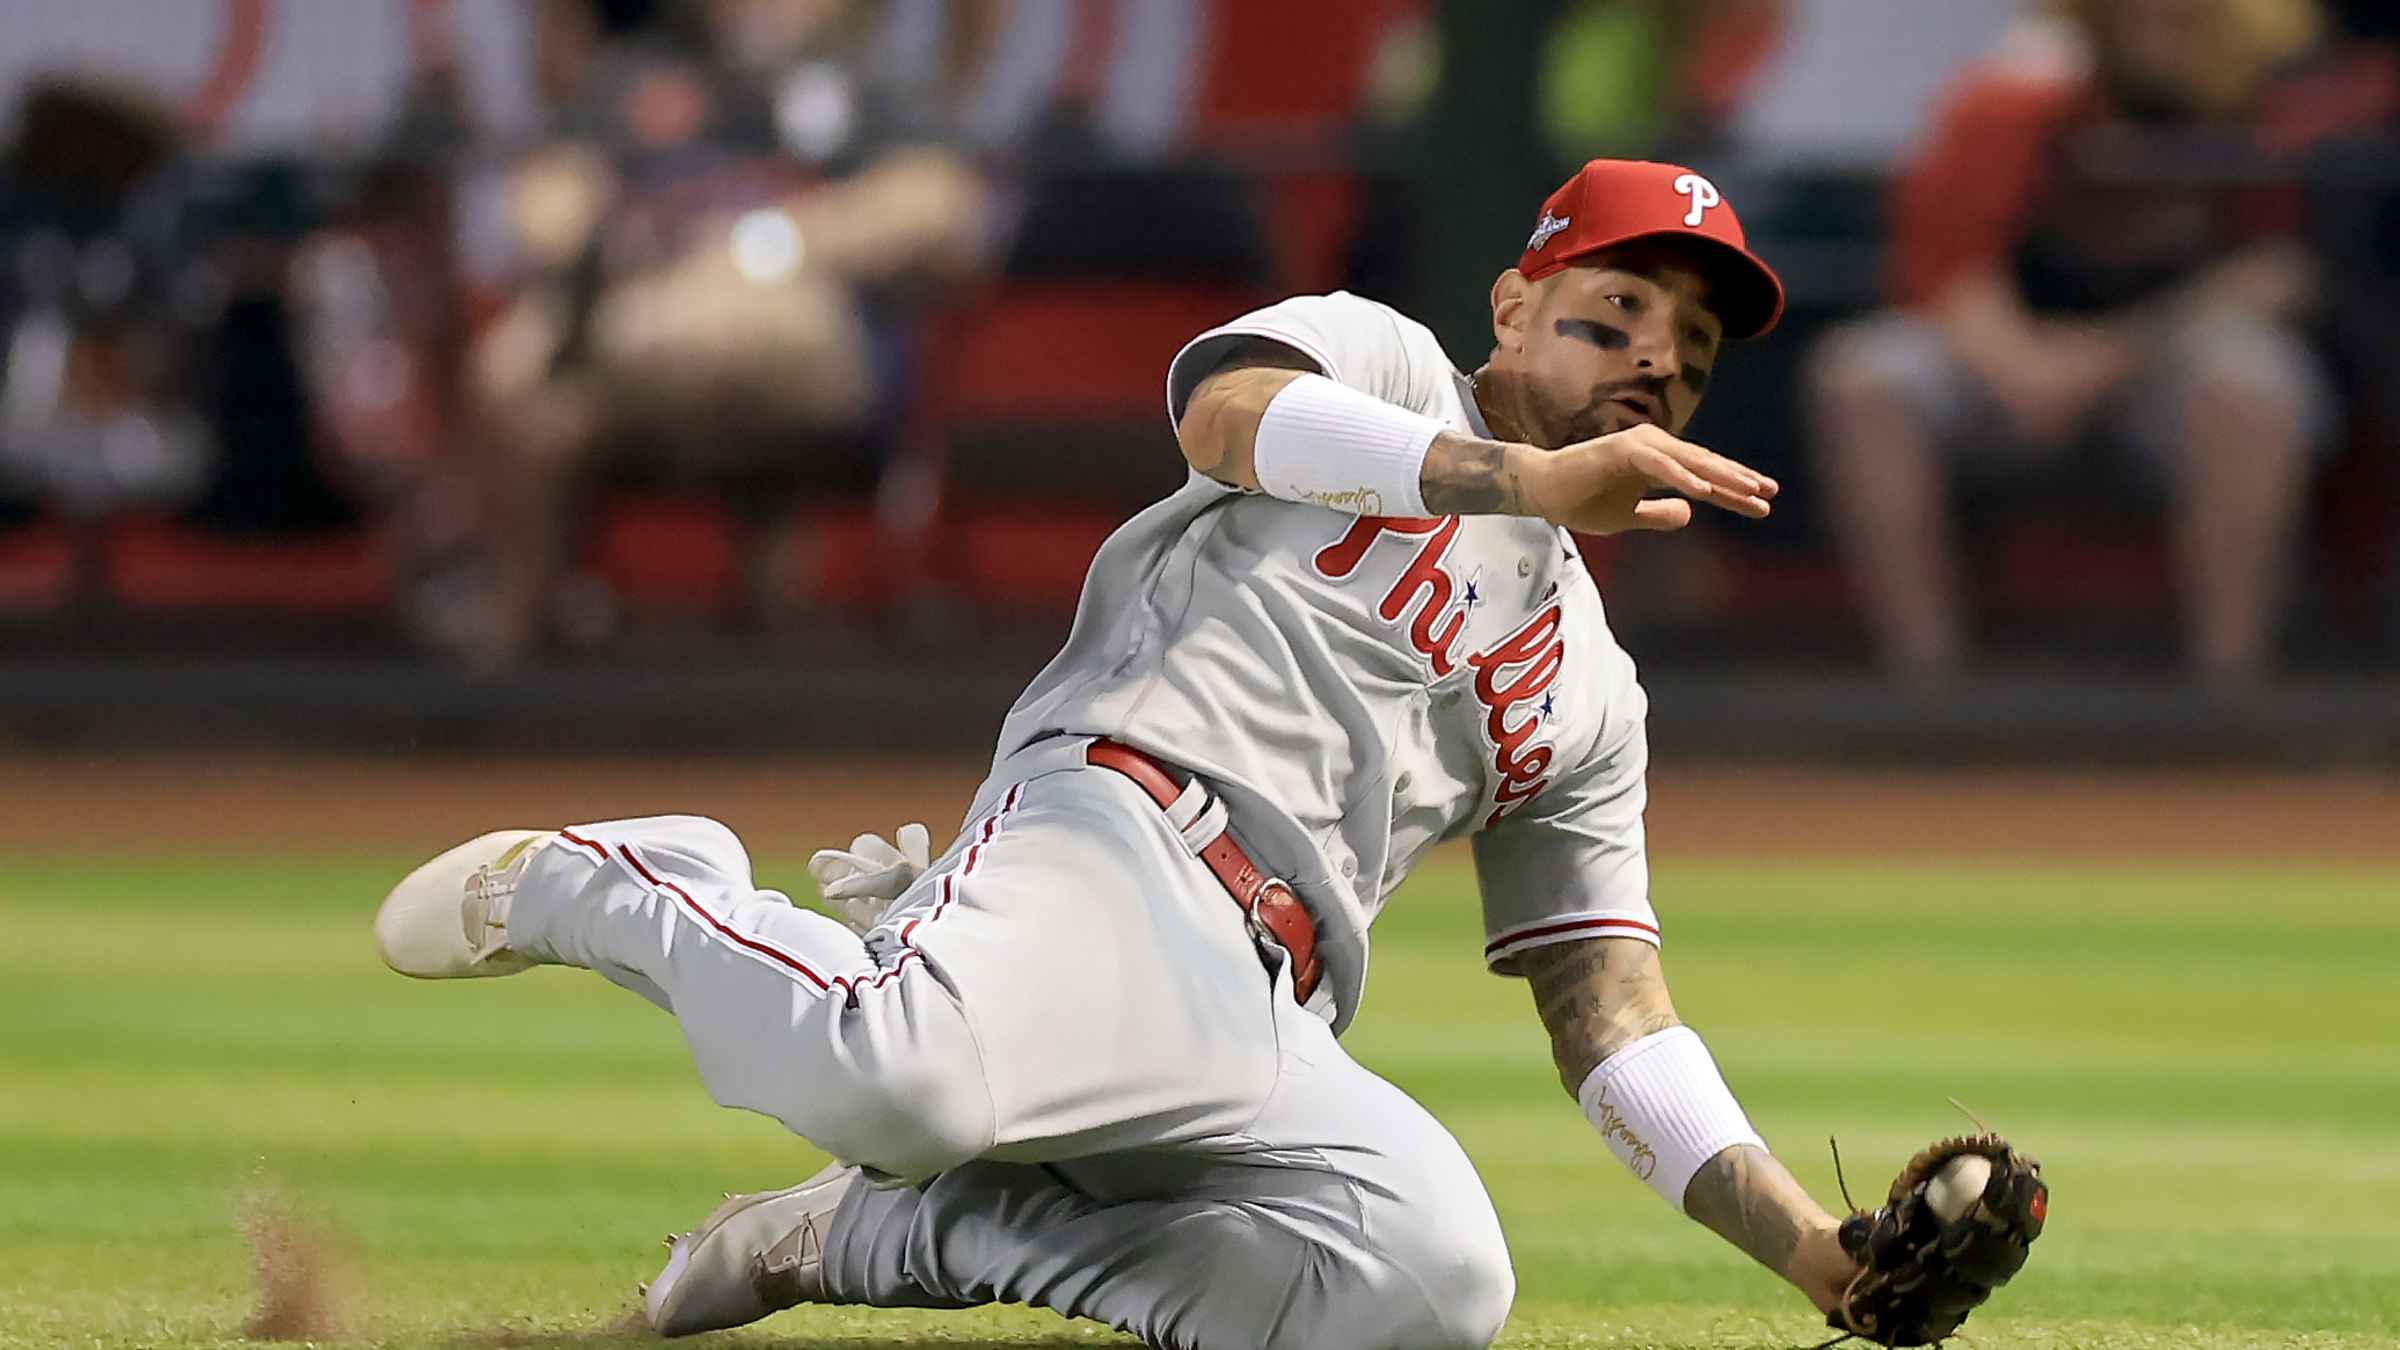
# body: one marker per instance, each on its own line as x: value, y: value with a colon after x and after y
x: 861, y: 881
x: 1602, y: 486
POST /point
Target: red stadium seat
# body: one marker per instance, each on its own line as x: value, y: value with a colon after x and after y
x: 1284, y: 86
x: 1070, y: 351
x: 1276, y: 68
x: 37, y: 568
x: 1045, y: 416
x: 675, y: 551
x: 158, y: 565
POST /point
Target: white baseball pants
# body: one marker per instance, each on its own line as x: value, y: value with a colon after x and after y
x: 1066, y: 1026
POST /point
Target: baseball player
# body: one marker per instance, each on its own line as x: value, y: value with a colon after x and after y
x: 1087, y: 1057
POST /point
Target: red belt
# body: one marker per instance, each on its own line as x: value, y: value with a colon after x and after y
x: 1264, y: 898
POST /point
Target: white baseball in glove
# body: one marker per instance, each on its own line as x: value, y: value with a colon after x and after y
x: 860, y: 882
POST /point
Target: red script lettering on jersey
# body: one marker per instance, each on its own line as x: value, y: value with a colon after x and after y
x: 1513, y: 672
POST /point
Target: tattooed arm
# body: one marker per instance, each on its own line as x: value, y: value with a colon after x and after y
x: 1599, y: 996
x: 1596, y: 997
x: 1599, y: 486
x: 1219, y: 434
x: 1747, y: 1198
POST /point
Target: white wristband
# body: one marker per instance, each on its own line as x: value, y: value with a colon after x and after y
x: 1326, y: 444
x: 1664, y: 1109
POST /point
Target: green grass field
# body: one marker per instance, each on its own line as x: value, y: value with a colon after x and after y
x: 2205, y: 1060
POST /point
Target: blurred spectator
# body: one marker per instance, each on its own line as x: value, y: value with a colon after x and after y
x: 94, y: 412
x: 204, y: 232
x: 2346, y: 104
x: 721, y: 242
x: 1130, y: 68
x: 1851, y: 81
x: 250, y: 80
x: 2088, y: 251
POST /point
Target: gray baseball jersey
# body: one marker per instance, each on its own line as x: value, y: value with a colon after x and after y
x: 1067, y: 986
x: 1361, y: 688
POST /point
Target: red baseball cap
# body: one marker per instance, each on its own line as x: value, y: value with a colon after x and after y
x: 1616, y: 201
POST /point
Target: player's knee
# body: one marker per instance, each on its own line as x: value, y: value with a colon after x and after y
x: 1463, y: 1266
x: 941, y: 1124
x: 1446, y: 1252
x: 917, y: 1137
x: 911, y: 1113
x: 1470, y: 1289
x: 1455, y: 1297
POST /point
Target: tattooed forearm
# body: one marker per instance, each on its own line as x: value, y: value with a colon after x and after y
x: 1596, y: 997
x: 1601, y: 995
x: 1469, y: 477
x: 1747, y: 1198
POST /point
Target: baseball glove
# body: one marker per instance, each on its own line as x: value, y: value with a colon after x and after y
x: 1922, y: 1276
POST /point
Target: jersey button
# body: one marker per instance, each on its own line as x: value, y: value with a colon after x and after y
x: 1401, y: 783
x: 1349, y: 867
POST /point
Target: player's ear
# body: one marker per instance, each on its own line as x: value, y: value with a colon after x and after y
x: 1512, y: 309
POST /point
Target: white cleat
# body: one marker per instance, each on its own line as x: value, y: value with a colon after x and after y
x: 754, y: 1255
x: 449, y: 919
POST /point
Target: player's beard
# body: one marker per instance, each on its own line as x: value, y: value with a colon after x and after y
x: 1599, y: 415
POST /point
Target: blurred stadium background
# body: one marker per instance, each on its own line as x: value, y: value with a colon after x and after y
x: 421, y: 416
x: 454, y: 373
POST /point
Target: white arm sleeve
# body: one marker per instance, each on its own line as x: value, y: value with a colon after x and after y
x: 1329, y: 445
x: 1664, y: 1110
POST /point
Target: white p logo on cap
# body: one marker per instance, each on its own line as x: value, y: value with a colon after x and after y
x: 1703, y: 193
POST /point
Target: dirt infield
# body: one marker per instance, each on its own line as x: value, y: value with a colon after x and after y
x: 280, y: 804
